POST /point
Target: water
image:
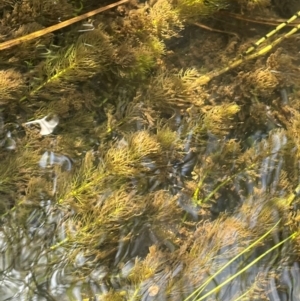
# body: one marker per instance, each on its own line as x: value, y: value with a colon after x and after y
x: 120, y: 179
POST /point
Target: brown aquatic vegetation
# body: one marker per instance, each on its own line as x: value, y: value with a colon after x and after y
x: 11, y: 82
x: 152, y: 180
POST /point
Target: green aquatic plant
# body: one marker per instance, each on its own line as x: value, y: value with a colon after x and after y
x: 254, y: 4
x: 20, y: 166
x: 11, y: 83
x: 154, y: 186
x: 217, y: 120
x: 42, y: 32
x: 88, y: 55
x: 173, y: 88
x: 95, y: 52
x: 196, y: 294
x: 144, y: 60
x: 167, y: 138
x: 46, y: 12
x: 165, y: 20
x: 214, y: 255
x: 103, y: 187
x: 254, y: 214
x: 253, y: 51
x: 193, y: 9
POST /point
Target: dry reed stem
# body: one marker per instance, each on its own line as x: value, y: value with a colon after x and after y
x: 52, y: 28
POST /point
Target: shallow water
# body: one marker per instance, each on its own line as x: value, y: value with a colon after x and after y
x: 130, y: 183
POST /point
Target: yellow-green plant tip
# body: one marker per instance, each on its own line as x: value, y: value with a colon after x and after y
x: 248, y: 55
x: 216, y: 190
x: 243, y: 295
x: 245, y: 268
x: 202, y: 287
x: 59, y: 244
x: 199, y: 186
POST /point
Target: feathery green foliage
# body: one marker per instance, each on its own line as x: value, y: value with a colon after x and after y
x: 152, y: 184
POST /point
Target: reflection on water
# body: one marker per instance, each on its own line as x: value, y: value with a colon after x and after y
x: 49, y: 158
x: 47, y: 125
x: 36, y: 242
x: 139, y: 183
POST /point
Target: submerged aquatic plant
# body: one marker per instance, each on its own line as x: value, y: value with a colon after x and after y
x: 196, y: 8
x: 11, y: 82
x: 151, y: 185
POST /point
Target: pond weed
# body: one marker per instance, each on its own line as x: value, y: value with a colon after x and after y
x: 169, y: 181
